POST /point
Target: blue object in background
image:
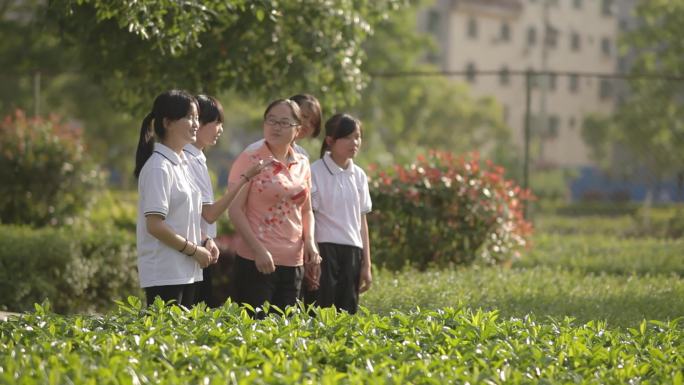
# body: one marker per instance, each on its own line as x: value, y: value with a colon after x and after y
x: 594, y: 184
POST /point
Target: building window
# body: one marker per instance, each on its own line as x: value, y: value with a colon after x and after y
x: 504, y: 76
x: 552, y: 81
x: 531, y: 36
x: 574, y: 83
x: 575, y: 41
x: 606, y: 7
x: 577, y: 4
x: 534, y: 78
x: 572, y: 122
x: 433, y: 21
x: 623, y: 25
x: 623, y: 65
x: 551, y: 37
x: 471, y: 72
x: 505, y: 34
x: 605, y: 89
x: 605, y: 46
x: 554, y: 126
x: 472, y: 28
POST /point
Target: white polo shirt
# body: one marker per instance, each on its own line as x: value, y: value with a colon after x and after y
x: 200, y: 173
x: 257, y: 145
x: 339, y: 197
x: 165, y: 188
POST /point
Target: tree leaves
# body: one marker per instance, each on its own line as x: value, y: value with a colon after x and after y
x: 266, y: 48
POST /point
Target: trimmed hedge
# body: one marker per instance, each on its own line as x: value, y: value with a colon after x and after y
x: 77, y: 270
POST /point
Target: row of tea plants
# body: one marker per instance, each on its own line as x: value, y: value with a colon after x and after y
x: 225, y: 346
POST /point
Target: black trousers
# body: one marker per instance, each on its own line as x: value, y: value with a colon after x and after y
x: 204, y: 291
x: 280, y: 288
x: 340, y: 272
x: 181, y: 294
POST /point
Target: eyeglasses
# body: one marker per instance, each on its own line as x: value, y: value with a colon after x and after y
x: 281, y: 123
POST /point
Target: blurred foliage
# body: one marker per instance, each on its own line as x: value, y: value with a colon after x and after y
x: 552, y: 184
x: 49, y: 179
x: 39, y: 73
x: 138, y: 48
x: 78, y: 269
x: 649, y: 123
x: 443, y: 210
x: 407, y: 115
x: 100, y: 63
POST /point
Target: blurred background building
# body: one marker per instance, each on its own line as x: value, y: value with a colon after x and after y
x: 569, y: 37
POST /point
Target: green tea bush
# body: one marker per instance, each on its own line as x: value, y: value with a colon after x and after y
x: 166, y: 345
x: 444, y: 210
x: 47, y: 177
x: 77, y: 270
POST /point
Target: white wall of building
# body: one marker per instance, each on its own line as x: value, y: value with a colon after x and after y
x: 595, y: 34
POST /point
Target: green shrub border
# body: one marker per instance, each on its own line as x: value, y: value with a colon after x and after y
x: 78, y: 270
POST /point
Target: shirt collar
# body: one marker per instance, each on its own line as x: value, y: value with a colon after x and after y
x: 333, y: 168
x: 195, y: 152
x: 169, y: 154
x: 265, y: 153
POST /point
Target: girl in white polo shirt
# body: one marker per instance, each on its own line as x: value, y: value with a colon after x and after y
x: 341, y: 200
x: 169, y: 235
x: 210, y: 129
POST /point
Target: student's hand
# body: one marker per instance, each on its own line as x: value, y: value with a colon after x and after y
x: 264, y: 263
x: 365, y: 279
x: 255, y: 170
x: 311, y: 255
x: 312, y: 276
x: 202, y: 256
x: 213, y: 250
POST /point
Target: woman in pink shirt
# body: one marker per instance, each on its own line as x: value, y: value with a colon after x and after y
x: 273, y: 215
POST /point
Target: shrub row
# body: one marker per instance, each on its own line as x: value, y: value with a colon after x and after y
x: 165, y: 345
x: 78, y: 270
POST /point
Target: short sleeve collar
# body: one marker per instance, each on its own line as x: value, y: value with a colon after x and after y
x: 195, y: 152
x: 168, y: 153
x: 333, y: 168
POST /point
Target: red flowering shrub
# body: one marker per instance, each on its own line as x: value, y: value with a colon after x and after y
x: 46, y: 177
x: 445, y: 210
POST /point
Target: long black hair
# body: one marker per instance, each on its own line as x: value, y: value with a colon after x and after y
x: 210, y: 109
x: 339, y: 126
x: 172, y: 105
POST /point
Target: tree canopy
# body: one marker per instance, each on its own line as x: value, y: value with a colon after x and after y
x: 256, y: 47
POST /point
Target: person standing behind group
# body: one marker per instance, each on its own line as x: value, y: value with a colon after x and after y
x: 312, y: 117
x: 170, y: 247
x: 210, y: 129
x: 273, y: 216
x: 341, y: 200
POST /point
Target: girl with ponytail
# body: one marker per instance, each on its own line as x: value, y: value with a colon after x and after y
x: 340, y: 201
x: 170, y: 243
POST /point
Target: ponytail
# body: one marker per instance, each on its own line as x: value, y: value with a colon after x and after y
x: 145, y: 144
